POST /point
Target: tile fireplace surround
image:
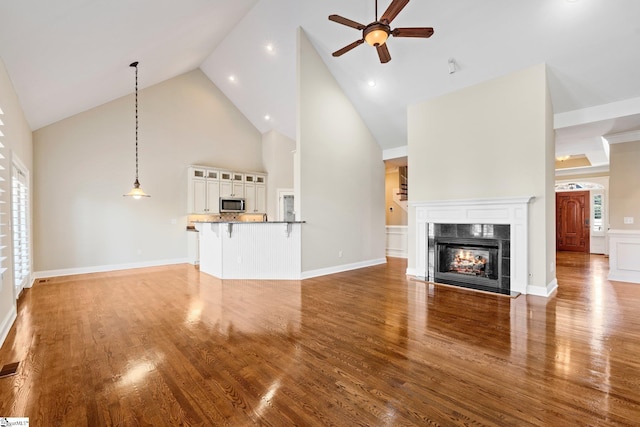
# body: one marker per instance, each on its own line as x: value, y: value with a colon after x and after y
x: 512, y: 211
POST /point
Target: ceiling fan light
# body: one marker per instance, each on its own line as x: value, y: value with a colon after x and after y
x: 376, y: 34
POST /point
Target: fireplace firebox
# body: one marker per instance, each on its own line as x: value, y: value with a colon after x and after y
x: 470, y: 255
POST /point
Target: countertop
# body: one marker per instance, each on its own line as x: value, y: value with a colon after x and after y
x: 248, y: 222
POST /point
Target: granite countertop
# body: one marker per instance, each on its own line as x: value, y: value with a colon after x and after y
x: 247, y: 222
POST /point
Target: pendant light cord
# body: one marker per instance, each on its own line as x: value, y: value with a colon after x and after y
x: 376, y: 11
x: 135, y: 65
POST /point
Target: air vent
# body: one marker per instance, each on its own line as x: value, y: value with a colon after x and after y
x: 9, y: 370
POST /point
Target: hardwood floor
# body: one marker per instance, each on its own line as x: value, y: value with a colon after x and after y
x: 170, y: 346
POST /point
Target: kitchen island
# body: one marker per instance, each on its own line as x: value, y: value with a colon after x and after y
x: 250, y: 250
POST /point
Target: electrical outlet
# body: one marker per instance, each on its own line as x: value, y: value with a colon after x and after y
x: 628, y: 220
x: 339, y: 254
x: 173, y: 221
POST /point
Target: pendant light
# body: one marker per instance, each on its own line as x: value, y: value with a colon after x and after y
x: 136, y: 192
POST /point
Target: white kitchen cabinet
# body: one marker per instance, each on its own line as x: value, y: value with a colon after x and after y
x: 204, y: 191
x: 255, y: 193
x: 231, y: 184
x: 208, y: 184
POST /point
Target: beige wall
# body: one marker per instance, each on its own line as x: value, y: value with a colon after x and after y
x: 85, y: 163
x: 491, y: 140
x: 17, y: 140
x: 395, y: 214
x: 624, y: 188
x: 341, y: 172
x: 277, y: 156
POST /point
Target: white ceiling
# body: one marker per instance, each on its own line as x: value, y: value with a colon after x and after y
x: 67, y: 56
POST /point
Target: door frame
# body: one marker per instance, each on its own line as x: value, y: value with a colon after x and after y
x: 587, y: 214
x: 281, y: 193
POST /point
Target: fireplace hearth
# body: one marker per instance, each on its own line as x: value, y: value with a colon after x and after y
x: 470, y: 255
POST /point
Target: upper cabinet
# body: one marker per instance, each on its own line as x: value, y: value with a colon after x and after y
x: 204, y: 190
x: 207, y: 185
x: 231, y: 184
x: 255, y: 192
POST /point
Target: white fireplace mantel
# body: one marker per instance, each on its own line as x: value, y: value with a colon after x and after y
x: 507, y: 210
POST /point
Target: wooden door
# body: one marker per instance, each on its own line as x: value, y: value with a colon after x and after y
x: 572, y: 221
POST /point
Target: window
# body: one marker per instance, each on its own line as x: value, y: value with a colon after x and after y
x: 3, y: 226
x: 20, y: 218
x: 597, y: 213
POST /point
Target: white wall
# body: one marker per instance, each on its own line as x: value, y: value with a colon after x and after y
x: 85, y: 163
x: 17, y: 140
x: 491, y: 140
x: 277, y: 156
x: 340, y: 182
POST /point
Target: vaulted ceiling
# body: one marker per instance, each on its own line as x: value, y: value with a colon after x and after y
x: 68, y: 56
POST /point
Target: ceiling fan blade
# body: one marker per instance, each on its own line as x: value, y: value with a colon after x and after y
x: 347, y: 48
x: 425, y: 32
x: 348, y: 22
x: 392, y: 11
x: 383, y: 53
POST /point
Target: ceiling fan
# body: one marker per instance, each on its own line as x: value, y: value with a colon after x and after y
x: 377, y: 32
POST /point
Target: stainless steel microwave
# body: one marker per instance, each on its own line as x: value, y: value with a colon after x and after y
x: 232, y: 204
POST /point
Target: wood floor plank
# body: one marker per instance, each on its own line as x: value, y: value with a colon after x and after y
x: 172, y: 346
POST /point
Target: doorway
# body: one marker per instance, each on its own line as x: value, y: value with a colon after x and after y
x: 286, y: 210
x: 572, y: 221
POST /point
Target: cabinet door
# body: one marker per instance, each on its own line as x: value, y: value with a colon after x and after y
x: 226, y: 188
x: 250, y: 198
x: 238, y: 189
x: 213, y: 197
x: 198, y: 196
x: 197, y: 173
x: 261, y: 199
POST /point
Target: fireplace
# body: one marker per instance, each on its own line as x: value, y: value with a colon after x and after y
x: 511, y: 212
x: 470, y: 255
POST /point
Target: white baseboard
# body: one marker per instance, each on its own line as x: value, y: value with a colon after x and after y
x: 411, y: 271
x: 624, y: 276
x: 543, y: 291
x: 103, y: 268
x: 7, y: 323
x: 340, y: 268
x: 397, y: 253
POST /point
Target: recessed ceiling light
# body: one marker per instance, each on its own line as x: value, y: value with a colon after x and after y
x: 232, y: 78
x: 371, y: 83
x: 267, y: 117
x: 269, y: 47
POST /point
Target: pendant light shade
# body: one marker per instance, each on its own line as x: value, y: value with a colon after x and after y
x: 136, y: 192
